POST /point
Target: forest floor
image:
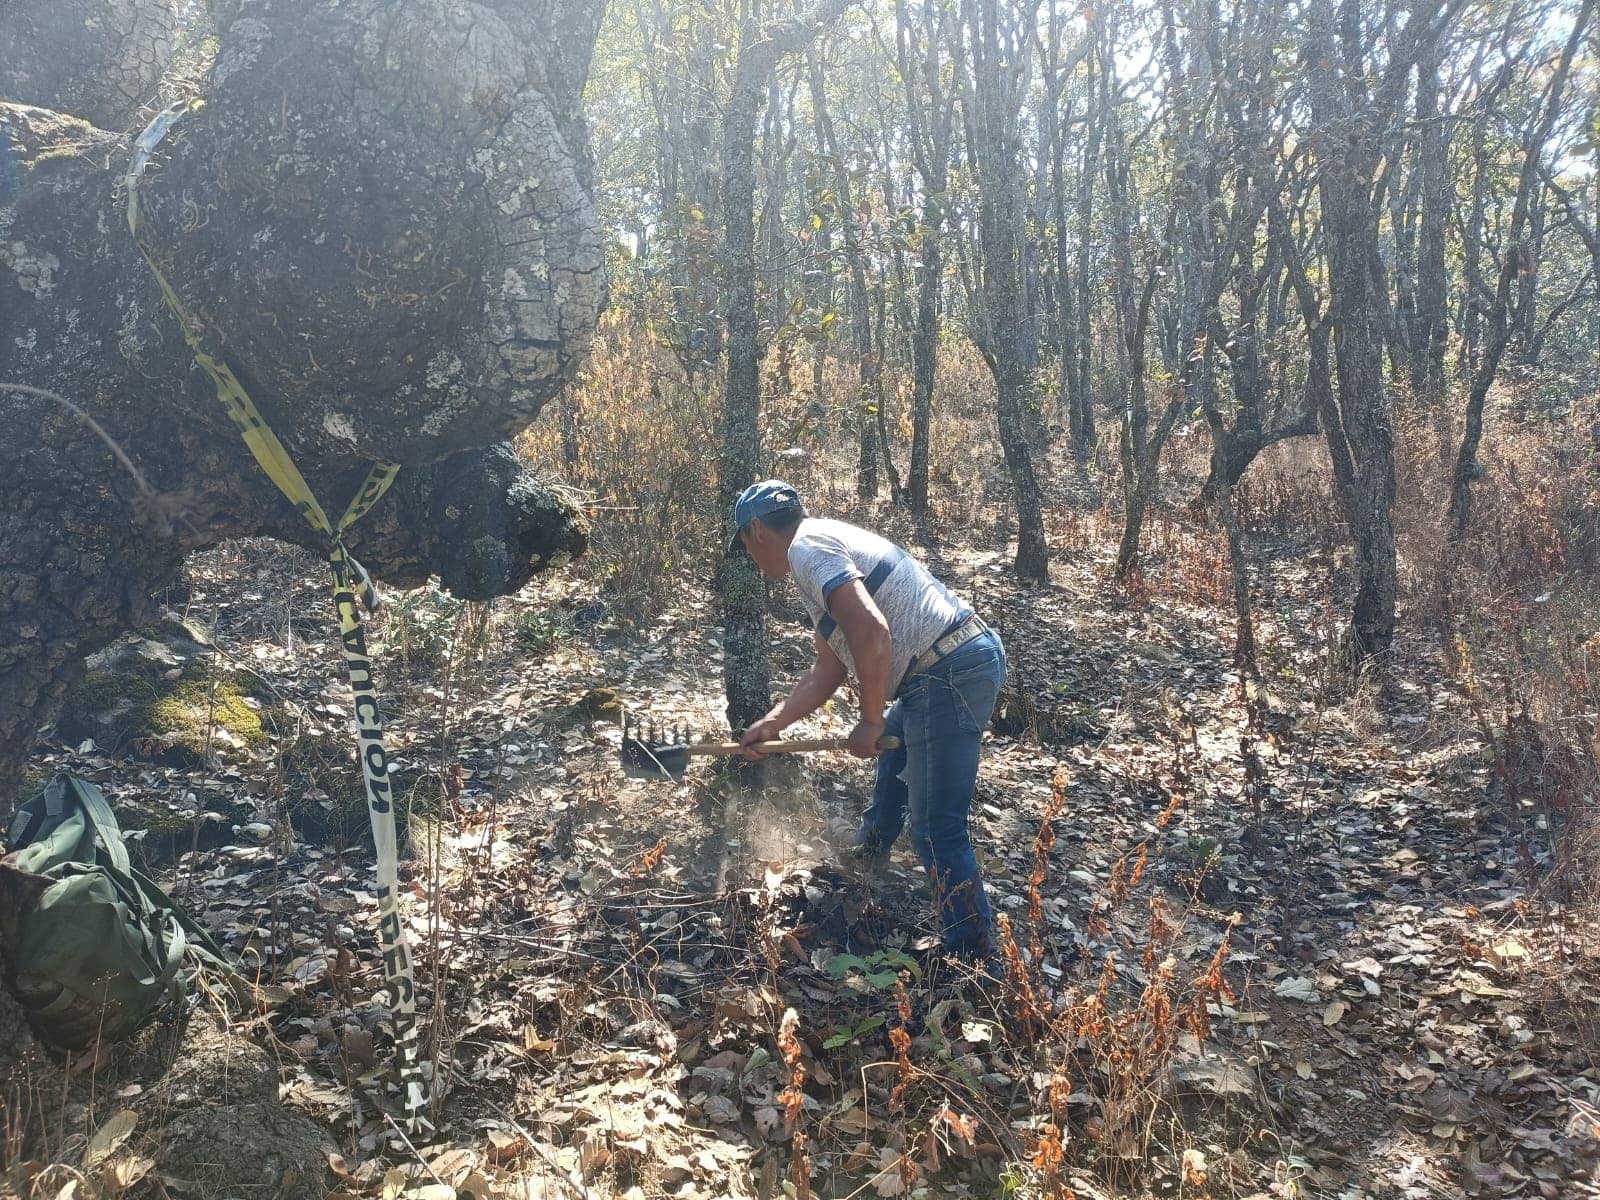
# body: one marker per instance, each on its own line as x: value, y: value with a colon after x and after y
x: 605, y: 965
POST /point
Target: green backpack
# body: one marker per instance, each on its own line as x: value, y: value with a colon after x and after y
x: 94, y: 947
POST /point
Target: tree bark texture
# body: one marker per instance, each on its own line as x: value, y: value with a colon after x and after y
x: 1221, y: 499
x: 686, y: 172
x: 1208, y: 241
x: 747, y: 673
x: 869, y: 391
x: 1431, y: 330
x: 930, y: 110
x: 1348, y: 148
x: 998, y: 49
x: 1082, y: 425
x: 394, y: 248
x: 97, y: 59
x: 1257, y: 423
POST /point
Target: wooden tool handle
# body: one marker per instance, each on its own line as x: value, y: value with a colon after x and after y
x: 800, y: 746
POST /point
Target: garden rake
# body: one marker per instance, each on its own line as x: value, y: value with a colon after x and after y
x: 657, y: 752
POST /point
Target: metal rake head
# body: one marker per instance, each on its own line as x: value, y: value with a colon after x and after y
x: 653, y: 751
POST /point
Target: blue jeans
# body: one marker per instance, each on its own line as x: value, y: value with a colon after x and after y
x: 939, y: 715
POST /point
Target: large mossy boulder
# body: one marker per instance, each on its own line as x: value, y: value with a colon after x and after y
x: 164, y: 694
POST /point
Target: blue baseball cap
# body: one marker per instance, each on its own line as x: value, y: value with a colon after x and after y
x: 762, y: 500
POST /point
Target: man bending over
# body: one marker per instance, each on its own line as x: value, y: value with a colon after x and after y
x: 927, y: 669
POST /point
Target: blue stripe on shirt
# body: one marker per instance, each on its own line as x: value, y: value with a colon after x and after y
x: 874, y: 580
x: 838, y: 581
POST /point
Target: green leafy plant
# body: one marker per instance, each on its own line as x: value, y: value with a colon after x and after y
x: 880, y: 970
x: 421, y: 624
x: 843, y: 1035
x: 1010, y: 1182
x: 536, y: 632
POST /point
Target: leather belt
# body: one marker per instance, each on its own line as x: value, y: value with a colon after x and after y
x: 958, y: 637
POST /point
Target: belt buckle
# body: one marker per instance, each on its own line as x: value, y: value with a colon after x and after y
x: 957, y: 638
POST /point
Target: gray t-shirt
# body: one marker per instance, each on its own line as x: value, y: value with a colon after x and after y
x: 825, y: 554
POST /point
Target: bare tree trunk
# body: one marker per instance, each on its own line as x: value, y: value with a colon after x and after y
x: 1134, y: 445
x: 998, y: 49
x: 1525, y: 308
x: 1516, y: 264
x: 1054, y: 121
x: 1202, y: 249
x: 1319, y: 393
x: 1349, y: 149
x: 1254, y: 114
x: 681, y: 90
x: 924, y: 353
x: 571, y: 444
x: 1244, y: 643
x: 746, y: 669
x: 897, y: 491
x: 1083, y: 423
x: 1474, y: 290
x: 1431, y: 333
x: 869, y: 395
x: 780, y: 132
x: 898, y: 299
x: 1254, y: 427
x: 1133, y: 314
x: 747, y: 673
x: 930, y: 109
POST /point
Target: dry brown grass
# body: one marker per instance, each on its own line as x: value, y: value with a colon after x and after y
x: 647, y: 446
x: 1509, y: 612
x: 647, y: 443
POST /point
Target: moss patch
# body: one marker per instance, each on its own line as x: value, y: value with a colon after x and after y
x: 34, y: 781
x: 100, y: 689
x: 601, y: 703
x: 198, y: 707
x: 174, y: 702
x: 158, y: 819
x: 169, y: 831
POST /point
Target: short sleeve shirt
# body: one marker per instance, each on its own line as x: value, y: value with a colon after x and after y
x: 824, y: 555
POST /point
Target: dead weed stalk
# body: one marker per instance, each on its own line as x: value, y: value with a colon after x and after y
x: 1114, y: 1032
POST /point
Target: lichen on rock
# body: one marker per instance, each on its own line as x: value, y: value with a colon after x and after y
x: 165, y: 695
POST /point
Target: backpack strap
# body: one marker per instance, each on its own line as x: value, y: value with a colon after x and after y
x: 91, y: 800
x: 188, y: 936
x: 44, y: 808
x: 164, y: 941
x: 203, y: 945
x: 22, y: 826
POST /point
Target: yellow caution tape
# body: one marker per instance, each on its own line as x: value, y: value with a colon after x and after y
x: 349, y: 581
